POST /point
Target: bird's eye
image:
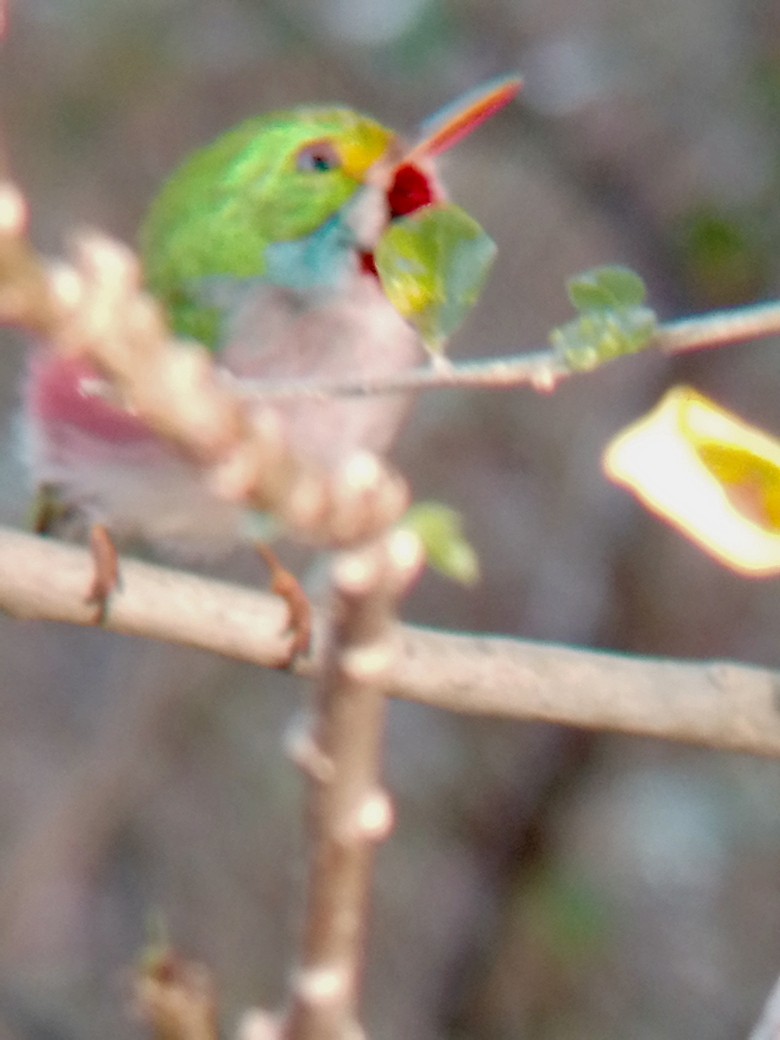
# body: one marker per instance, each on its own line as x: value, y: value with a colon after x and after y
x: 318, y: 158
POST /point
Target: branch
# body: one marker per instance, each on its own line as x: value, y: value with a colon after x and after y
x: 717, y: 704
x: 348, y: 810
x: 542, y: 370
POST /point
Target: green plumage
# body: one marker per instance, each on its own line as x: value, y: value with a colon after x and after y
x: 220, y: 211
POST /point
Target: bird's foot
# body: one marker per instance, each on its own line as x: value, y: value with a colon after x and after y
x: 299, y: 620
x: 105, y: 571
x: 48, y: 514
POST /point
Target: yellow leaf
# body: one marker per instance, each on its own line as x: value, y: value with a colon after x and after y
x: 709, y: 473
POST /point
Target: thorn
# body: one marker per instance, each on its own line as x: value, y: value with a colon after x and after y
x: 305, y: 752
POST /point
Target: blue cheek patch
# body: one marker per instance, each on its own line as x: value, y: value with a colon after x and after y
x: 319, y: 262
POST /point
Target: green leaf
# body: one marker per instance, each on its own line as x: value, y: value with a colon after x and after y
x: 447, y: 550
x: 432, y: 265
x: 608, y: 287
x: 612, y: 321
x: 586, y: 295
x: 723, y: 254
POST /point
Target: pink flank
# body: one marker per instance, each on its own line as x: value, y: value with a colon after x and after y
x: 60, y: 392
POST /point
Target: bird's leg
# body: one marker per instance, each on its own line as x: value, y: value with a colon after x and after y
x: 285, y: 584
x: 105, y: 570
x: 47, y: 513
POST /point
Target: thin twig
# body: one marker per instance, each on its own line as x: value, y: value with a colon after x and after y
x: 719, y: 328
x: 348, y: 809
x: 717, y: 704
x: 542, y: 369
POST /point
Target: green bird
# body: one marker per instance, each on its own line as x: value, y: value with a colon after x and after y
x: 311, y: 242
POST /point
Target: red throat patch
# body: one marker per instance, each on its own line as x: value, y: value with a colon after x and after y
x: 410, y: 191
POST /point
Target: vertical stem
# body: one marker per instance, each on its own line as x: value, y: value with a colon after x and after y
x: 348, y: 811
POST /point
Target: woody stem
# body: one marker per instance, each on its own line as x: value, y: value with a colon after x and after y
x: 348, y: 810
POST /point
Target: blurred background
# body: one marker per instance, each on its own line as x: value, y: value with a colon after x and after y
x: 542, y: 884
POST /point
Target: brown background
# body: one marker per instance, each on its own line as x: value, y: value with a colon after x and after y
x: 542, y: 884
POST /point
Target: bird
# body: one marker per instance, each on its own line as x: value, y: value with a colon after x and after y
x: 282, y: 246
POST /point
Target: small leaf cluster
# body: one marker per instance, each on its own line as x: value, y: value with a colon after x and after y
x: 612, y: 318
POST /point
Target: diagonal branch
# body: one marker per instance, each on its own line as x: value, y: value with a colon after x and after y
x: 717, y: 704
x: 95, y: 309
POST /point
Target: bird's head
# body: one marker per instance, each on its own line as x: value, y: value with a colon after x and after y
x: 247, y: 206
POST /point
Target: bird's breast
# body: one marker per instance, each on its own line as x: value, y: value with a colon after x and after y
x: 276, y: 334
